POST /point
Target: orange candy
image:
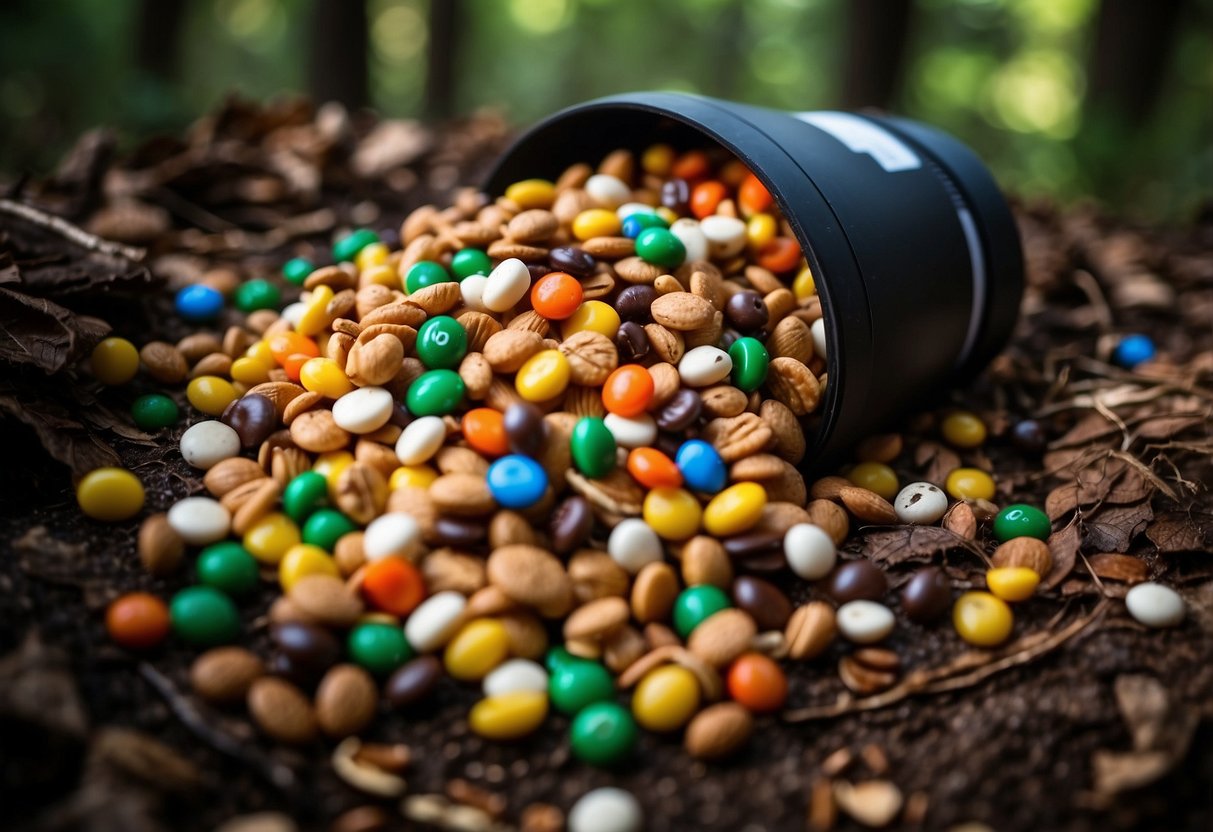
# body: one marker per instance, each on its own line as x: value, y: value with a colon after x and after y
x: 393, y: 585
x: 285, y: 345
x: 138, y: 620
x: 653, y: 469
x: 694, y: 164
x: 780, y: 255
x: 734, y: 172
x: 753, y: 196
x: 628, y: 391
x: 556, y: 296
x: 757, y: 683
x: 484, y: 429
x: 706, y: 196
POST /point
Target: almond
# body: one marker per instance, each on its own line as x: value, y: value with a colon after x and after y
x: 961, y: 521
x: 706, y: 335
x: 346, y: 700
x: 258, y: 504
x: 668, y: 344
x: 667, y: 284
x: 225, y: 674
x: 596, y: 575
x: 873, y: 804
x: 509, y: 527
x: 762, y: 280
x: 164, y: 362
x: 361, y: 492
x: 723, y: 400
x: 683, y: 311
x: 374, y: 362
x: 397, y: 313
x: 810, y: 630
x: 654, y: 592
x: 316, y: 431
x: 446, y: 570
x: 791, y: 338
x: 436, y: 299
x: 288, y: 463
x: 704, y: 561
x: 532, y: 321
x: 300, y: 405
x: 867, y: 505
x: 161, y: 549
x: 527, y: 636
x: 829, y: 488
x: 479, y: 327
x: 279, y: 393
x: 793, y: 384
x: 463, y: 495
x: 325, y: 599
x: 477, y: 375
x: 722, y: 637
x: 709, y: 286
x: 591, y: 356
x: 609, y: 248
x: 597, y: 285
x: 455, y: 459
x: 531, y: 576
x: 509, y: 349
x: 533, y: 226
x: 718, y: 731
x: 622, y: 648
x: 779, y: 303
x: 737, y: 437
x: 665, y: 383
x: 637, y: 270
x: 831, y: 517
x: 281, y: 710
x: 1024, y: 551
x: 597, y: 619
x: 215, y: 364
x: 786, y: 429
x: 507, y: 249
x: 193, y: 347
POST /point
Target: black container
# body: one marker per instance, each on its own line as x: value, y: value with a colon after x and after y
x: 913, y: 249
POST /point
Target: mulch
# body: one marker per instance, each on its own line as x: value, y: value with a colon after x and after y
x: 1087, y: 720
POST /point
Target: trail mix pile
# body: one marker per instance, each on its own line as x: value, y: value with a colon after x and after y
x: 550, y: 446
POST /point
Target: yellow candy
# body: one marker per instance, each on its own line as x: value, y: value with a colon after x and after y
x: 325, y: 376
x: 476, y: 649
x: 249, y: 370
x: 667, y: 214
x: 803, y: 286
x: 114, y: 361
x: 596, y: 222
x: 316, y: 316
x: 545, y: 375
x: 532, y: 193
x: 963, y: 429
x: 260, y: 351
x: 1012, y: 583
x: 674, y: 513
x: 412, y: 476
x: 657, y: 159
x: 760, y: 230
x: 302, y: 560
x: 970, y: 484
x: 211, y: 394
x: 376, y: 254
x: 330, y: 465
x: 735, y: 509
x: 110, y: 494
x: 509, y: 716
x: 666, y: 698
x: 982, y: 619
x: 383, y: 275
x: 875, y: 476
x: 595, y: 316
x: 271, y: 537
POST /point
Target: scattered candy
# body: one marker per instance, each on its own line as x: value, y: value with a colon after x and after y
x: 110, y: 494
x: 666, y: 698
x: 204, y: 616
x: 1133, y: 350
x: 982, y: 619
x: 1155, y: 605
x: 606, y: 810
x: 1022, y: 521
x: 198, y: 303
x: 603, y: 734
x: 114, y: 361
x: 137, y: 620
x: 154, y: 411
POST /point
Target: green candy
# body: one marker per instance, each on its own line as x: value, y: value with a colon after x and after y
x: 347, y: 248
x: 204, y: 616
x: 1022, y: 521
x: 593, y: 447
x: 425, y: 273
x: 579, y: 682
x: 469, y: 261
x: 660, y: 247
x: 442, y: 342
x: 303, y: 495
x: 296, y: 270
x: 257, y: 294
x: 750, y: 363
x: 695, y: 604
x: 325, y: 527
x: 435, y: 393
x: 558, y: 657
x: 154, y: 411
x: 603, y: 734
x: 227, y: 567
x: 380, y: 648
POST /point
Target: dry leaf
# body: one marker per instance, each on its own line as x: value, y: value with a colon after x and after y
x: 1063, y: 546
x: 909, y: 543
x: 1181, y: 531
x: 1112, y: 529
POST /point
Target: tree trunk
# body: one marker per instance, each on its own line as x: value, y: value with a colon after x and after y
x: 1133, y: 43
x: 339, y: 52
x: 875, y: 49
x: 158, y: 39
x: 442, y: 54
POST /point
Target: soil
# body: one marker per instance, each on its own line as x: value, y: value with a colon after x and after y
x: 1110, y: 729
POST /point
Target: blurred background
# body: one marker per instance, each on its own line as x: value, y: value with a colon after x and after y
x: 1068, y: 99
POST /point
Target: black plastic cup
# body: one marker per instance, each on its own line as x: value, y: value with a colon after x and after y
x: 913, y: 249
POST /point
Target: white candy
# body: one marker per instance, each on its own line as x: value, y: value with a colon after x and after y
x: 865, y: 622
x: 818, y: 330
x: 692, y: 237
x: 636, y: 432
x: 435, y: 621
x: 920, y: 503
x: 606, y: 810
x: 363, y: 410
x: 206, y: 444
x: 725, y: 235
x: 293, y: 312
x: 516, y: 675
x: 394, y: 533
x: 1155, y: 605
x: 607, y: 191
x: 628, y: 208
x: 703, y: 366
x: 200, y: 520
x: 507, y: 284
x: 810, y: 551
x: 421, y: 440
x: 633, y: 543
x: 472, y: 290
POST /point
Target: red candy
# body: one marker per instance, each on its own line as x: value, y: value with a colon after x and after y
x: 556, y: 296
x: 393, y: 585
x: 757, y: 683
x: 653, y: 469
x: 780, y: 255
x: 628, y: 391
x: 137, y: 620
x: 484, y: 430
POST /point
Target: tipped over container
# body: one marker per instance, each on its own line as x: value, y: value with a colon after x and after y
x: 913, y: 248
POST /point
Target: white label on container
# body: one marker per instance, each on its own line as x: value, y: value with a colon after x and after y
x: 863, y: 136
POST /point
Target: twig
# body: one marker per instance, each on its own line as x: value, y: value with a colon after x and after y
x: 275, y: 773
x: 965, y: 671
x: 72, y: 232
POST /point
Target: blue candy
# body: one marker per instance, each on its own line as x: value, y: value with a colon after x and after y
x: 517, y: 481
x: 702, y: 468
x: 198, y: 303
x: 1133, y: 350
x: 633, y: 224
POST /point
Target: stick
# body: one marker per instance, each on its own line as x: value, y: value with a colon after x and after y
x: 74, y: 233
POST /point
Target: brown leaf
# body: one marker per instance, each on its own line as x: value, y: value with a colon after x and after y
x: 1111, y: 529
x: 40, y: 332
x: 1063, y: 546
x: 1161, y: 728
x: 1117, y: 567
x: 909, y: 543
x: 1168, y: 426
x: 145, y: 759
x: 1181, y: 531
x: 63, y: 437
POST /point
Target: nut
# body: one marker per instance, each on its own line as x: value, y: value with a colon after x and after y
x: 597, y: 619
x: 436, y: 299
x: 362, y: 772
x: 831, y: 517
x: 793, y: 384
x: 230, y: 473
x: 527, y: 636
x: 361, y: 492
x: 874, y: 803
x: 346, y: 700
x: 259, y: 502
x: 962, y: 522
x: 704, y: 561
x: 479, y: 327
x: 508, y: 527
x: 737, y: 437
x: 790, y: 444
x: 723, y: 637
x: 596, y: 575
x: 828, y: 488
x: 867, y: 505
x: 718, y: 731
x: 325, y: 599
x: 317, y: 431
x: 476, y: 374
x: 1024, y: 551
x: 591, y: 356
x: 862, y: 679
x: 279, y: 393
x: 161, y: 549
x: 791, y: 338
x: 164, y: 362
x: 810, y: 630
x: 723, y: 400
x: 446, y: 570
x: 533, y: 226
x: 668, y: 344
x: 533, y: 577
x: 225, y: 674
x: 374, y: 362
x: 623, y: 648
x: 883, y: 447
x: 463, y: 495
x: 654, y: 592
x: 683, y: 311
x: 281, y: 711
x: 509, y: 349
